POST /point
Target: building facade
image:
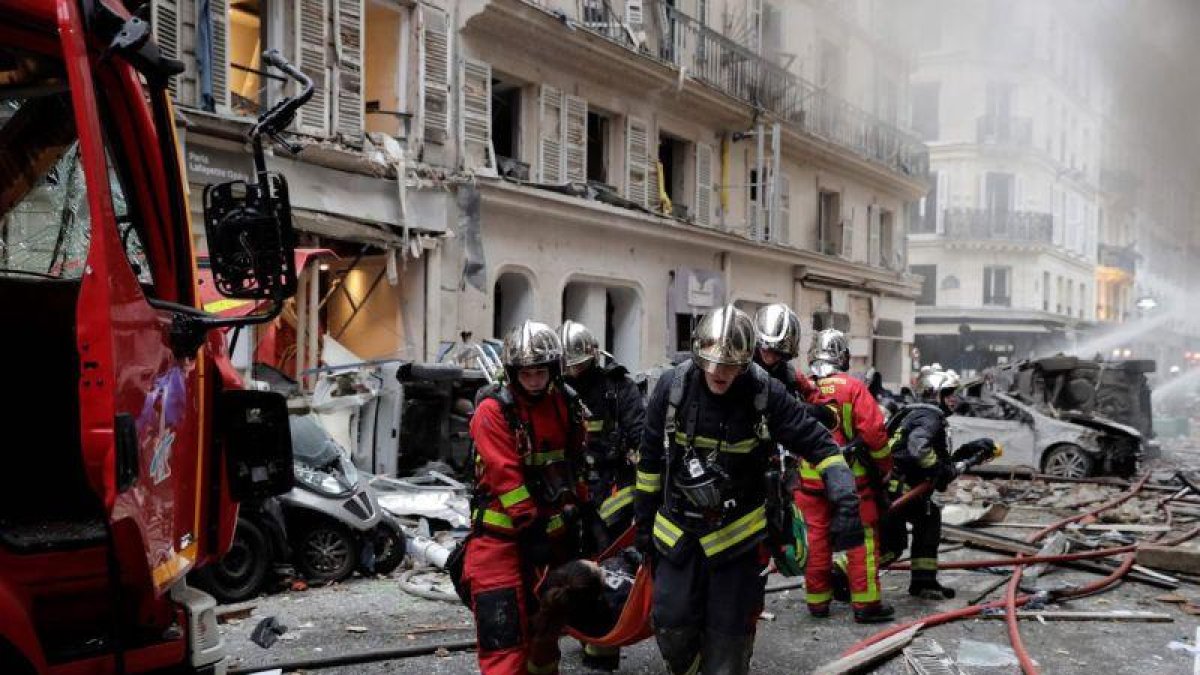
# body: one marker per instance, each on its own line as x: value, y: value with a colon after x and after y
x: 627, y: 164
x: 1008, y: 97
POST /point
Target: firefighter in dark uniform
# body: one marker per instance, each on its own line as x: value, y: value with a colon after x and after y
x: 778, y: 343
x: 529, y: 440
x: 861, y: 434
x: 614, y: 414
x: 921, y: 451
x: 712, y: 425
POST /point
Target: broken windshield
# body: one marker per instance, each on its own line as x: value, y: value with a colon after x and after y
x: 45, y: 223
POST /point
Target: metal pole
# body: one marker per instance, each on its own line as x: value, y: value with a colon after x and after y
x: 776, y: 168
x: 758, y: 182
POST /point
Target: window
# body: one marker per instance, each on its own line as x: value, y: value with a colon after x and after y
x: 684, y: 323
x: 928, y: 274
x: 512, y: 303
x: 246, y: 45
x: 836, y: 321
x: 996, y: 286
x: 1082, y: 298
x: 888, y: 256
x: 1045, y: 291
x: 925, y: 218
x: 506, y: 119
x: 949, y: 283
x: 925, y: 110
x: 832, y: 231
x: 832, y: 69
x: 1058, y: 295
x: 1070, y: 296
x: 385, y: 103
x: 999, y: 196
x: 673, y: 162
x: 999, y: 100
x: 597, y: 147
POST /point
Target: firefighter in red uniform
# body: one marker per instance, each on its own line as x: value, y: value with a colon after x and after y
x: 860, y: 431
x: 529, y: 438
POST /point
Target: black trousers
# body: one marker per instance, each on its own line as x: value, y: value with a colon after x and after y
x: 926, y: 520
x: 708, y: 613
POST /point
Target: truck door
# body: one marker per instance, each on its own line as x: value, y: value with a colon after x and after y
x: 140, y: 403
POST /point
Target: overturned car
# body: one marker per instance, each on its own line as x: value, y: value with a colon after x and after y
x: 1061, y: 415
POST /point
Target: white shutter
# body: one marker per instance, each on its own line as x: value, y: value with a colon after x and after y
x: 435, y: 68
x: 943, y: 179
x: 166, y: 34
x: 475, y: 118
x: 218, y: 11
x: 312, y: 39
x: 348, y: 42
x: 848, y: 237
x: 634, y: 16
x: 575, y: 140
x: 637, y: 151
x: 873, y: 233
x: 550, y: 135
x: 753, y: 196
x: 782, y: 228
x: 704, y: 184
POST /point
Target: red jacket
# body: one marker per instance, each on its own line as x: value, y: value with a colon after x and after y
x: 858, y: 417
x: 502, y: 461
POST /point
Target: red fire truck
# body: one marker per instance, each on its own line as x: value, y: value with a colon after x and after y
x: 125, y: 437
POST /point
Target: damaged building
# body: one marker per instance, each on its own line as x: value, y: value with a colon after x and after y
x: 467, y: 164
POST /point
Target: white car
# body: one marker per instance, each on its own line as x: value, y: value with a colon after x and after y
x: 1072, y: 445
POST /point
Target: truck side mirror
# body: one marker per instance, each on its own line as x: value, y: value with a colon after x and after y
x: 251, y: 243
x: 257, y: 442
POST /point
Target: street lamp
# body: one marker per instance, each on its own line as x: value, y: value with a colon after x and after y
x: 1146, y: 303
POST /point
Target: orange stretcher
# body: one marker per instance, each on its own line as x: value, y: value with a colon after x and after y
x: 634, y: 623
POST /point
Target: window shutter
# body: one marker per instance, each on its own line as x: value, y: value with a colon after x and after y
x: 218, y: 11
x: 704, y: 184
x: 348, y: 106
x: 166, y: 34
x: 753, y: 196
x: 476, y: 114
x: 575, y: 142
x: 874, y: 236
x: 550, y: 134
x: 783, y: 205
x: 435, y: 91
x: 637, y: 151
x: 848, y: 237
x: 312, y: 39
x: 634, y: 15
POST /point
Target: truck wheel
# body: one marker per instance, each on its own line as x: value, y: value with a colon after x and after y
x: 390, y: 547
x: 1068, y: 461
x: 239, y: 574
x: 326, y: 551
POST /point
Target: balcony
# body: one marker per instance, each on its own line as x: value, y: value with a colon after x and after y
x: 1004, y: 130
x: 1123, y: 258
x: 986, y: 225
x: 666, y: 34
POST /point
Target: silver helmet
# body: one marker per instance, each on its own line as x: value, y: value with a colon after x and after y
x: 933, y: 382
x: 778, y: 329
x: 724, y: 337
x: 531, y: 344
x: 830, y: 352
x: 579, y: 344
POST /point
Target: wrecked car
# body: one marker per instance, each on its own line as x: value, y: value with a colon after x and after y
x: 1072, y: 445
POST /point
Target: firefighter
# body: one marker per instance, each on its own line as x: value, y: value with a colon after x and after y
x: 529, y: 439
x: 711, y: 427
x: 860, y: 432
x: 921, y: 452
x: 778, y: 330
x: 614, y: 415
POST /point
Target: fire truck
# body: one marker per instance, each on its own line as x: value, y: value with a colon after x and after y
x: 126, y: 437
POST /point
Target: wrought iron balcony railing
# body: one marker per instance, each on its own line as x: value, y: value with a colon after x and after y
x: 666, y: 34
x: 988, y: 225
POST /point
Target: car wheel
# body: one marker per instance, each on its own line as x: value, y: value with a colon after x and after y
x: 240, y: 573
x: 326, y: 552
x: 390, y: 546
x: 1068, y: 461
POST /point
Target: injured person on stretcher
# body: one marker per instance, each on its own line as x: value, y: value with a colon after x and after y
x: 586, y: 596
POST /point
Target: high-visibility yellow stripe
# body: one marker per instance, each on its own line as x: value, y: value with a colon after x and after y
x: 666, y: 531
x: 832, y: 460
x: 218, y: 306
x: 544, y: 669
x: 513, y: 497
x: 555, y: 524
x: 695, y: 667
x: 924, y: 564
x: 548, y: 457
x: 872, y: 593
x: 814, y: 598
x: 497, y: 519
x: 649, y: 482
x: 848, y: 421
x: 613, y: 505
x: 734, y: 533
x: 738, y: 447
x: 595, y: 425
x: 928, y: 459
x: 882, y: 453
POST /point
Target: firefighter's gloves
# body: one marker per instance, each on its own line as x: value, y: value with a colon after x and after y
x: 845, y: 527
x: 534, y: 543
x: 643, y: 541
x: 943, y: 476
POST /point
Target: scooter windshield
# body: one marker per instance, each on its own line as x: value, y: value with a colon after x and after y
x: 311, y: 444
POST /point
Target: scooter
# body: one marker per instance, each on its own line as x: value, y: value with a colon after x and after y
x: 334, y: 520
